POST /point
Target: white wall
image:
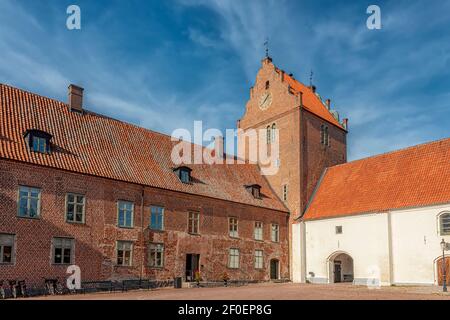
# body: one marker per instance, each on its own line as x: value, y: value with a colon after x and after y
x: 403, y: 245
x: 416, y: 244
x: 364, y: 238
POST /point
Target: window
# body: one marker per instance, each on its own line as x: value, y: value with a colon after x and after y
x: 267, y: 84
x: 274, y: 132
x: 444, y: 222
x: 327, y: 137
x: 255, y: 190
x: 75, y: 208
x: 157, y: 218
x: 338, y: 229
x: 322, y: 134
x: 233, y: 227
x: 124, y: 250
x: 275, y: 234
x: 285, y: 192
x: 194, y: 218
x: 38, y: 141
x: 125, y: 214
x: 259, y: 260
x: 258, y: 233
x: 156, y: 255
x: 184, y: 174
x: 62, y: 250
x: 7, y: 248
x: 29, y: 202
x: 268, y: 134
x: 233, y: 258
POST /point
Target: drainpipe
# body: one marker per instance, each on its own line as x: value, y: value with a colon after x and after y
x: 390, y: 248
x: 142, y: 233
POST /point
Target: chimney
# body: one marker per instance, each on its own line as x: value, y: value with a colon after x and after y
x: 328, y: 103
x: 300, y: 99
x: 345, y: 123
x: 75, y: 98
x: 313, y: 88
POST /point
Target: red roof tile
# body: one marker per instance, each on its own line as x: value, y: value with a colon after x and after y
x: 412, y: 177
x: 311, y: 101
x: 97, y: 145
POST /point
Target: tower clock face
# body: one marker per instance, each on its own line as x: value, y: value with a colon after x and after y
x: 265, y: 101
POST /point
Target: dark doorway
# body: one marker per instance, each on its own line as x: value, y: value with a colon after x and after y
x: 337, y: 271
x: 274, y: 269
x: 192, y: 265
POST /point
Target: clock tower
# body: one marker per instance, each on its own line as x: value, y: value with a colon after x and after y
x: 310, y: 134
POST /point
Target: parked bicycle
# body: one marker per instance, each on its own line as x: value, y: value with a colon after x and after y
x: 53, y: 286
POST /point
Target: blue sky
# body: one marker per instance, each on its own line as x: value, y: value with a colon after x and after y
x: 164, y: 64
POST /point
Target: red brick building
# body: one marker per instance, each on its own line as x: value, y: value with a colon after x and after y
x: 80, y: 188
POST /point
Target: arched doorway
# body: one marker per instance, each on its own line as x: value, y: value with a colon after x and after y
x: 274, y: 269
x: 340, y: 268
x: 440, y: 271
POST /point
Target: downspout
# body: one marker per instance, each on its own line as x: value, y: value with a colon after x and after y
x: 142, y: 234
x: 390, y: 255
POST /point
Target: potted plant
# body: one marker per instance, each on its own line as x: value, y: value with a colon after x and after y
x: 225, y: 278
x: 198, y: 277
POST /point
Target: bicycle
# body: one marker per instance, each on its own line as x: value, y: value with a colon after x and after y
x: 13, y: 287
x: 2, y: 290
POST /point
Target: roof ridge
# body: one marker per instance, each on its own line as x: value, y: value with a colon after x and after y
x: 417, y: 146
x: 110, y: 118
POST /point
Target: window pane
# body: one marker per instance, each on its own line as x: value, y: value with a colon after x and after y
x: 120, y: 257
x: 7, y: 254
x: 67, y: 253
x: 58, y: 255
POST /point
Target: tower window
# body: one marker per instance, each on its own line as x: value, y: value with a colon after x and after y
x: 268, y: 134
x: 285, y: 192
x: 267, y: 84
x: 38, y: 141
x: 338, y: 229
x: 273, y: 135
x: 324, y: 135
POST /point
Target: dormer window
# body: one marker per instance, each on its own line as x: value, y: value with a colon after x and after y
x: 184, y: 174
x: 255, y: 190
x: 38, y: 141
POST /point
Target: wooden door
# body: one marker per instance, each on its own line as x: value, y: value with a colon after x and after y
x: 440, y: 271
x: 337, y: 272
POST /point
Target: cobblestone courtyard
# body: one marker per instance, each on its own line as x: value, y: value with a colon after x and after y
x: 272, y: 291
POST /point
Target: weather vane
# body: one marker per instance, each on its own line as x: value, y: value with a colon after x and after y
x: 311, y: 78
x: 266, y: 44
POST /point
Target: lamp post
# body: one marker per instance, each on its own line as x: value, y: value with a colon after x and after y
x: 443, y: 247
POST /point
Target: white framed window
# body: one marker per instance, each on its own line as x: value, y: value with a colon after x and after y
x: 62, y: 250
x: 193, y: 222
x: 444, y: 223
x: 7, y: 248
x: 275, y: 232
x: 156, y: 218
x: 338, y: 229
x: 233, y: 258
x: 285, y: 192
x: 29, y: 202
x: 258, y: 232
x: 233, y: 227
x: 124, y: 253
x: 125, y: 214
x: 75, y: 207
x: 156, y: 255
x: 259, y: 259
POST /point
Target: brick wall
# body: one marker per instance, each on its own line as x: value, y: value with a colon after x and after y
x: 95, y: 240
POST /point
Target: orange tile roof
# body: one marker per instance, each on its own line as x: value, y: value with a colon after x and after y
x: 311, y: 101
x: 100, y: 146
x: 413, y: 177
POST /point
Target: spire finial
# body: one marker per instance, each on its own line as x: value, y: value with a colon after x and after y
x: 266, y: 45
x: 311, y: 78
